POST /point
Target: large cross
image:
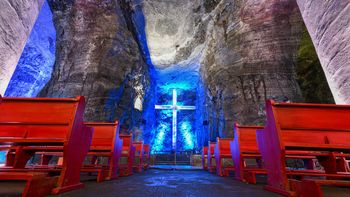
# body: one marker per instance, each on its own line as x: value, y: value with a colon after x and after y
x: 175, y: 108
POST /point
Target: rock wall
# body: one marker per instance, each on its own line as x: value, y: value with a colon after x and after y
x: 250, y: 56
x: 34, y: 68
x: 328, y: 23
x: 98, y: 57
x: 244, y: 52
x: 16, y: 21
x: 310, y: 75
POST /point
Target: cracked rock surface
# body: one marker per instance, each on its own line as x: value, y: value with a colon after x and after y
x: 244, y: 52
x: 328, y: 23
x: 97, y: 57
x: 16, y: 21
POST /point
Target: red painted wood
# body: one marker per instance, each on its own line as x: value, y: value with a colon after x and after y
x: 222, y: 150
x: 322, y: 130
x: 312, y: 187
x: 147, y: 155
x: 106, y: 142
x: 205, y: 158
x: 244, y: 146
x: 138, y: 163
x: 33, y: 124
x: 128, y: 151
x: 211, y: 156
x: 37, y: 184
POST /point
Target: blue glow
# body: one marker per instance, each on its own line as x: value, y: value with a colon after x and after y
x: 178, y: 86
x: 186, y: 131
x: 35, y: 65
x: 2, y: 157
x: 162, y: 130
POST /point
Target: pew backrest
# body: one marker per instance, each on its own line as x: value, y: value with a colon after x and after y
x: 211, y: 148
x: 146, y: 149
x: 319, y: 126
x: 106, y: 135
x: 138, y: 148
x: 245, y: 138
x: 127, y: 141
x: 205, y: 150
x: 223, y: 145
x: 39, y: 120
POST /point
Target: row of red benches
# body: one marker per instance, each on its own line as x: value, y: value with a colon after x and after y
x: 54, y: 127
x: 293, y: 131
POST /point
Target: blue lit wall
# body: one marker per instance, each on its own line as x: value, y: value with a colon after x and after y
x: 161, y: 135
x: 2, y: 157
x: 35, y: 66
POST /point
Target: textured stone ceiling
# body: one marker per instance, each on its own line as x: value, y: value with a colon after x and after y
x: 170, y: 27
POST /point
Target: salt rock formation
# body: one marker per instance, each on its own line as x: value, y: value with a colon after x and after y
x: 244, y: 52
x: 35, y: 65
x: 328, y: 23
x: 250, y: 57
x: 98, y: 57
x: 16, y: 21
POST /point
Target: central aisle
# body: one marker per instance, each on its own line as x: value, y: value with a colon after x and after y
x: 171, y: 183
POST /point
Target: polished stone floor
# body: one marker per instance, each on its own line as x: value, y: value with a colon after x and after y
x: 160, y: 182
x: 171, y: 183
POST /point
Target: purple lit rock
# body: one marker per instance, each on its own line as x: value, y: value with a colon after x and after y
x: 16, y: 21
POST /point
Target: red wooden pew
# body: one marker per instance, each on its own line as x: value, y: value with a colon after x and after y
x: 222, y: 151
x: 37, y: 184
x: 211, y: 156
x: 32, y: 125
x: 128, y: 152
x: 146, y: 155
x: 205, y: 157
x: 245, y: 146
x: 138, y: 161
x: 105, y: 143
x: 320, y: 130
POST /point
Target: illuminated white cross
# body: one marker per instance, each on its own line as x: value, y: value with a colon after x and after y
x: 175, y: 108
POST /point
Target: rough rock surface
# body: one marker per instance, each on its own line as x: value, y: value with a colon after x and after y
x: 310, y: 76
x: 16, y: 21
x: 328, y: 23
x: 250, y: 57
x: 244, y: 51
x: 35, y: 65
x: 98, y: 57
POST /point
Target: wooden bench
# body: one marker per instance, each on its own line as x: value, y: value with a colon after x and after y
x: 37, y: 184
x: 32, y: 125
x: 222, y: 151
x: 128, y: 153
x: 245, y: 146
x: 146, y: 155
x: 205, y: 158
x: 138, y: 160
x: 211, y: 157
x: 105, y: 143
x: 320, y: 130
x: 312, y: 187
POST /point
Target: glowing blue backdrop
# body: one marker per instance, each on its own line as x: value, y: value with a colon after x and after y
x: 35, y: 66
x: 161, y: 134
x: 2, y: 157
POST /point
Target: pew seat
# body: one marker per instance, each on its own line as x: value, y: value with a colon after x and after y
x: 127, y: 156
x: 222, y: 151
x: 139, y: 156
x: 317, y: 130
x: 211, y: 157
x: 31, y: 125
x: 37, y: 184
